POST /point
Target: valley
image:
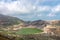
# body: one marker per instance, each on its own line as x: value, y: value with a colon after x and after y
x: 12, y: 28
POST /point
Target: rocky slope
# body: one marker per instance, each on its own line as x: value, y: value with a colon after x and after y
x: 55, y: 22
x: 36, y: 24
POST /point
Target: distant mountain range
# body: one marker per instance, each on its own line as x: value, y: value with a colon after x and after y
x: 37, y: 23
x: 9, y: 21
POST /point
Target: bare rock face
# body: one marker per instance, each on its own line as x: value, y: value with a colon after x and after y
x: 55, y: 22
x: 52, y: 30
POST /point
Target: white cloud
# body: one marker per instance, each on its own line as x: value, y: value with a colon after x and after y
x: 22, y: 6
x: 26, y: 6
x: 43, y: 8
x: 15, y: 6
x: 51, y: 15
x: 54, y: 11
x: 39, y: 15
x: 56, y: 8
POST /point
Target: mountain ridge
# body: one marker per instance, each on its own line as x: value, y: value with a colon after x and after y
x: 8, y: 20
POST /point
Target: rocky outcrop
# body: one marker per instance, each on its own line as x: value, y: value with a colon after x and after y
x: 54, y: 22
x: 52, y: 30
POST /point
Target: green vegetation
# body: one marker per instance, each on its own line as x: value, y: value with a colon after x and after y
x: 28, y: 31
x: 6, y: 21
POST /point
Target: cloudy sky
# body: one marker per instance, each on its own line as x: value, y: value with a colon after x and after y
x: 31, y: 9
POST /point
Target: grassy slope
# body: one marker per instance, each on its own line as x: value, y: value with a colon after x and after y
x: 28, y: 31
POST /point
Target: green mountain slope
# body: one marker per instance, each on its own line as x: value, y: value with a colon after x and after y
x: 8, y: 20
